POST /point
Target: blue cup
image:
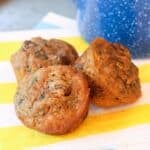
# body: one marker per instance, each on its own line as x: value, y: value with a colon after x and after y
x: 123, y: 21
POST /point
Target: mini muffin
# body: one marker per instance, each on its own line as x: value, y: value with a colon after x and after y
x: 38, y: 53
x: 112, y: 76
x: 53, y: 100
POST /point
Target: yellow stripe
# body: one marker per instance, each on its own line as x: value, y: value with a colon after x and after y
x: 8, y: 48
x: 7, y: 92
x: 144, y: 72
x: 79, y: 43
x: 21, y: 137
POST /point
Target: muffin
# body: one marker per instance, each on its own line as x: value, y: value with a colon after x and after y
x: 37, y: 53
x: 53, y: 100
x: 112, y: 77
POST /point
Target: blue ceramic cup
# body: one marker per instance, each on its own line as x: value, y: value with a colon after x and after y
x: 123, y: 21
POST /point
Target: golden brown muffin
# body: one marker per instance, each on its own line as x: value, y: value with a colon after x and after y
x: 38, y: 53
x: 53, y: 100
x: 112, y: 76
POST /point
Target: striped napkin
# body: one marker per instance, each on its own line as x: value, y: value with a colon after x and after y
x: 120, y: 128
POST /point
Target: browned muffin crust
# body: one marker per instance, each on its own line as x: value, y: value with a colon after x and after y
x: 112, y: 76
x: 37, y: 53
x: 53, y: 100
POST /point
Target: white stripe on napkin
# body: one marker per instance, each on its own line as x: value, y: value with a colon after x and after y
x: 28, y: 34
x: 8, y: 116
x: 6, y: 72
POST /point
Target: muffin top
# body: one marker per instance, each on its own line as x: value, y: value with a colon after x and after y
x: 53, y: 100
x: 37, y: 53
x: 110, y: 71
